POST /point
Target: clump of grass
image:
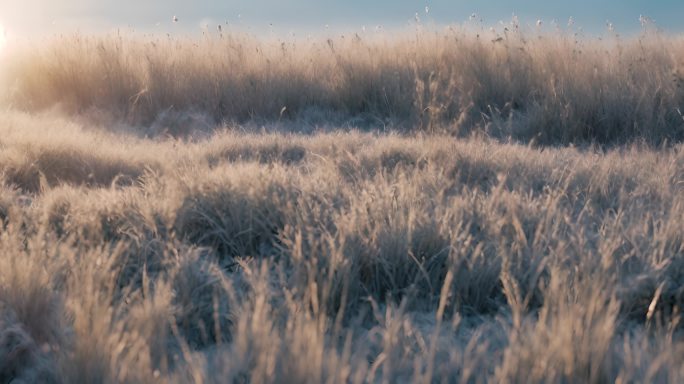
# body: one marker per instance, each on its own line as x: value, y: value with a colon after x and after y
x: 201, y: 301
x: 235, y: 212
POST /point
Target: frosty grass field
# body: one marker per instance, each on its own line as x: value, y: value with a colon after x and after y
x: 437, y: 205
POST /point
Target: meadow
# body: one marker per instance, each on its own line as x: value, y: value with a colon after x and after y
x: 452, y: 205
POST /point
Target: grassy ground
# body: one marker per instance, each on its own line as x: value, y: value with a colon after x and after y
x: 137, y: 247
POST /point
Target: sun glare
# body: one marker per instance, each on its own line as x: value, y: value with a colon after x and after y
x: 3, y: 38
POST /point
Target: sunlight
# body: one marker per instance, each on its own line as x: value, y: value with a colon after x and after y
x: 3, y: 38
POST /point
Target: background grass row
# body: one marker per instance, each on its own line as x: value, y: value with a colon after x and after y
x: 555, y: 88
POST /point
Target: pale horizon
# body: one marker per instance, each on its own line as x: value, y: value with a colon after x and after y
x: 260, y: 17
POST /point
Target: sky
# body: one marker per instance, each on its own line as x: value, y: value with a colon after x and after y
x: 34, y: 18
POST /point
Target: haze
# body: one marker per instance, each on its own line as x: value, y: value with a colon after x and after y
x: 33, y: 18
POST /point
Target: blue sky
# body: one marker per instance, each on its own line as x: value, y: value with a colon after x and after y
x: 41, y: 17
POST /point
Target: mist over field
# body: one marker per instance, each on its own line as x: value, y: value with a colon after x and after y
x: 428, y: 204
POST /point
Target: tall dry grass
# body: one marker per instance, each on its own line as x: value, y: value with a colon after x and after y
x: 553, y: 88
x: 337, y: 257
